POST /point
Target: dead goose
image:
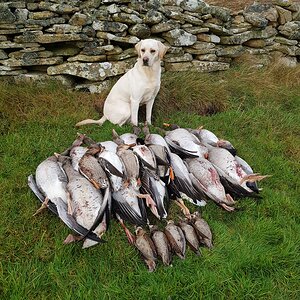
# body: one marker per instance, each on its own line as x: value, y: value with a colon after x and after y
x: 176, y: 238
x: 162, y: 245
x: 202, y: 229
x: 184, y: 184
x: 190, y: 236
x: 76, y: 154
x: 234, y: 177
x: 145, y: 245
x: 87, y: 203
x: 51, y: 181
x: 207, y: 137
x: 61, y: 210
x: 205, y: 178
x: 185, y: 144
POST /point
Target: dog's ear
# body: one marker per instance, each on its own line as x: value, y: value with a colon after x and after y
x: 162, y: 49
x: 138, y: 48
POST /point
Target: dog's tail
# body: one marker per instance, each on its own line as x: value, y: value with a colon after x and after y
x: 90, y: 121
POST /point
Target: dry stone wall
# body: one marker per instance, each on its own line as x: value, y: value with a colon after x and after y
x: 86, y: 43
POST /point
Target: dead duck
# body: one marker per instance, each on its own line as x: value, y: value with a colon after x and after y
x: 90, y: 168
x: 176, y: 238
x: 190, y: 236
x: 202, y: 229
x: 205, y: 178
x: 146, y: 247
x: 162, y: 245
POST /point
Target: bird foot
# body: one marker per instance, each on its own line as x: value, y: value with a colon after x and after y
x: 43, y: 206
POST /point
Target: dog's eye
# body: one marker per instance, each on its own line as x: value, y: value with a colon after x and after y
x: 143, y: 50
x: 152, y: 51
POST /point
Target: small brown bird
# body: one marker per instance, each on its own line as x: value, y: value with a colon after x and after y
x: 90, y: 168
x: 202, y: 229
x: 176, y: 238
x: 190, y: 236
x: 162, y: 245
x: 146, y: 246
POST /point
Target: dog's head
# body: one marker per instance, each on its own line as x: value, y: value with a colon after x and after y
x: 150, y: 51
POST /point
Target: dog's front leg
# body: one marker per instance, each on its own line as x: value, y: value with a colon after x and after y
x: 149, y: 107
x: 134, y: 104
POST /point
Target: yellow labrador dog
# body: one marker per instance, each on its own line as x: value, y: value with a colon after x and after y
x: 138, y: 86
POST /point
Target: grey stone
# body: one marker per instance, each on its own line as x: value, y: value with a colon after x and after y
x: 113, y: 9
x: 45, y: 23
x: 3, y: 54
x: 218, y: 12
x: 127, y: 18
x: 64, y: 28
x: 170, y: 58
x: 31, y: 60
x: 95, y: 88
x: 128, y: 53
x: 8, y: 71
x: 217, y: 29
x: 230, y: 51
x: 285, y: 41
x: 142, y: 31
x: 179, y: 37
x: 283, y: 3
x: 164, y: 26
x: 52, y: 38
x: 109, y: 26
x: 112, y: 37
x: 207, y: 57
x: 58, y: 8
x: 25, y: 55
x: 21, y: 14
x: 79, y: 19
x: 195, y: 29
x: 92, y: 71
x: 41, y: 15
x: 65, y: 50
x: 210, y: 38
x: 194, y: 5
x: 152, y: 17
x: 6, y: 16
x: 9, y: 45
x: 291, y: 30
x: 256, y: 20
x: 284, y: 15
x: 87, y: 58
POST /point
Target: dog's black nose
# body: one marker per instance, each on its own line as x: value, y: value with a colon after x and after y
x: 145, y: 61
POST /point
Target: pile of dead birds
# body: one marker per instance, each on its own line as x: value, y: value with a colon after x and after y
x: 135, y: 181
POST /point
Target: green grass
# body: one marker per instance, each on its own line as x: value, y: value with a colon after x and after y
x: 256, y: 253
